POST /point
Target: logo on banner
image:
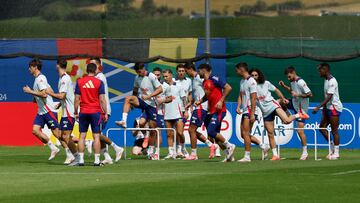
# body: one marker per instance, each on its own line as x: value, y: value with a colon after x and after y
x: 226, y: 128
x: 258, y: 130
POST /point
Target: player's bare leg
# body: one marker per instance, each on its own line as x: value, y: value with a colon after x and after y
x: 44, y: 139
x: 180, y: 138
x: 334, y: 124
x: 97, y: 148
x: 71, y: 151
x: 245, y: 133
x: 130, y: 101
x: 302, y: 136
x: 81, y: 148
x: 288, y: 119
x: 118, y: 150
x: 170, y: 140
x: 269, y: 126
x: 152, y: 137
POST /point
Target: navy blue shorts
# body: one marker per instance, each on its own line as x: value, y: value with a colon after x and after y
x: 270, y: 117
x: 328, y: 112
x: 247, y: 116
x: 94, y: 120
x: 160, y: 123
x: 149, y: 112
x: 291, y: 107
x: 198, y: 117
x: 212, y: 123
x: 50, y: 119
x: 67, y: 123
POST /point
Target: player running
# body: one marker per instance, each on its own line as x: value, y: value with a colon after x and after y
x: 66, y: 97
x: 149, y: 87
x: 271, y: 108
x: 46, y: 110
x: 216, y: 91
x: 174, y: 94
x: 90, y: 95
x: 105, y: 140
x: 299, y: 102
x: 332, y: 108
x: 185, y: 84
x: 198, y: 114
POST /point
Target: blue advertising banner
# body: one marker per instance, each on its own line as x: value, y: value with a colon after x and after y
x: 348, y: 130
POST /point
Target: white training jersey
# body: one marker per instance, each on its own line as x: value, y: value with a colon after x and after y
x: 44, y: 104
x: 173, y: 109
x: 331, y: 87
x: 147, y: 86
x: 247, y: 87
x: 198, y: 91
x: 186, y: 86
x: 65, y: 85
x: 265, y: 100
x: 300, y: 87
x: 161, y: 107
x: 102, y: 77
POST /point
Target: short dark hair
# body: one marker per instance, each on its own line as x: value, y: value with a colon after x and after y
x: 139, y: 66
x: 157, y: 69
x: 36, y: 62
x: 261, y: 78
x: 91, y: 68
x: 180, y: 66
x: 190, y: 66
x: 62, y: 63
x: 242, y: 65
x: 289, y: 69
x: 97, y: 59
x: 205, y: 66
x: 168, y: 71
x: 324, y: 65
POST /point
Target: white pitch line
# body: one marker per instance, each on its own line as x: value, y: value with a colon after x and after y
x: 346, y: 172
x: 105, y: 173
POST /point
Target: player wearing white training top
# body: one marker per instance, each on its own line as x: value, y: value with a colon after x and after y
x: 46, y: 111
x: 149, y: 87
x: 174, y: 94
x: 300, y: 93
x: 332, y: 108
x: 271, y: 108
x: 66, y: 96
x: 104, y: 140
x: 185, y: 84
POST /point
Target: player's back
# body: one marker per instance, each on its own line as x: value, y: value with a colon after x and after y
x: 89, y: 88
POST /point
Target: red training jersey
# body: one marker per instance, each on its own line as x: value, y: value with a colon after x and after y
x: 213, y: 90
x: 89, y: 88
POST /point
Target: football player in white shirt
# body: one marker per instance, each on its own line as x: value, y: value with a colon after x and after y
x: 66, y: 96
x: 271, y: 108
x: 149, y: 87
x: 246, y: 106
x: 300, y: 93
x: 174, y: 94
x: 198, y: 114
x: 46, y: 110
x: 332, y: 108
x: 103, y: 139
x: 185, y: 84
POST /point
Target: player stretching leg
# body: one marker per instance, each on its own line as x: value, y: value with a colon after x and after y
x: 185, y: 84
x: 332, y: 108
x: 105, y: 140
x: 216, y: 92
x: 198, y: 115
x: 90, y: 96
x: 174, y: 93
x: 46, y: 111
x: 149, y: 87
x: 66, y: 97
x: 270, y: 107
x: 300, y: 93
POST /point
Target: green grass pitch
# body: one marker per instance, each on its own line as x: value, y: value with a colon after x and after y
x: 27, y: 176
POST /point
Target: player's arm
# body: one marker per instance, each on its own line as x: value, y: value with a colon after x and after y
x: 76, y: 104
x: 238, y: 108
x: 60, y: 95
x: 279, y: 94
x: 226, y: 91
x: 305, y: 90
x: 287, y: 88
x: 103, y: 103
x: 41, y: 93
x: 253, y: 103
x: 323, y: 103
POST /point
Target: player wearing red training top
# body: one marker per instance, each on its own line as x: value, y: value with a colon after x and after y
x: 90, y: 95
x: 216, y: 91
